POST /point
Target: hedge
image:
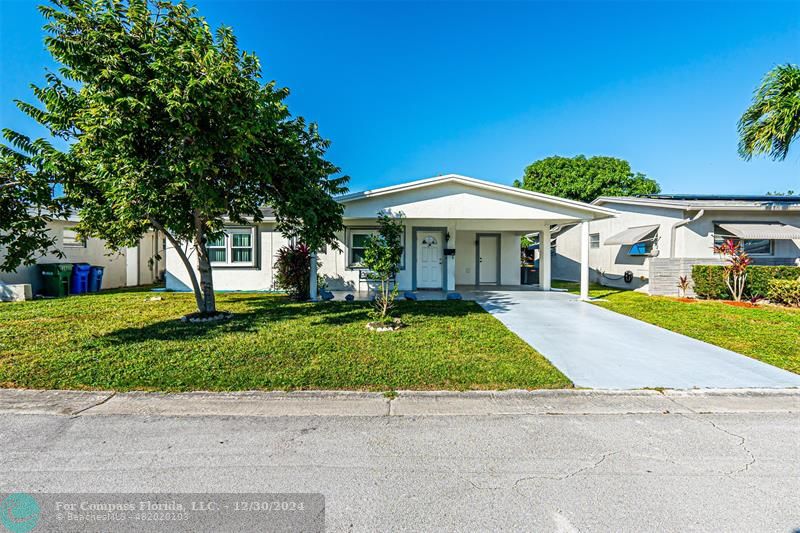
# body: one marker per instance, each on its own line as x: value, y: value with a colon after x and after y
x: 709, y: 280
x: 784, y: 291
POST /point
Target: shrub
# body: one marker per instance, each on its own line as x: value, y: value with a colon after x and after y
x: 709, y: 280
x: 293, y: 270
x: 784, y: 291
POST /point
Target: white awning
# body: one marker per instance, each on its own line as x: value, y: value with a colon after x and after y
x: 632, y: 235
x: 761, y: 230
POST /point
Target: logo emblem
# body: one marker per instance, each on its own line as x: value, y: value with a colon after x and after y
x: 19, y: 512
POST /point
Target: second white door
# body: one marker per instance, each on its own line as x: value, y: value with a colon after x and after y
x: 429, y: 260
x: 487, y: 259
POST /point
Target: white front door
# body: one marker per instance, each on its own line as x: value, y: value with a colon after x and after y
x: 488, y: 259
x: 429, y: 260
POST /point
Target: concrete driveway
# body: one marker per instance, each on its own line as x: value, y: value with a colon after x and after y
x: 598, y: 348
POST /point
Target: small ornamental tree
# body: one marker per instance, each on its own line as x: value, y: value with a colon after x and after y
x: 735, y: 272
x: 169, y: 127
x: 683, y: 285
x: 382, y: 256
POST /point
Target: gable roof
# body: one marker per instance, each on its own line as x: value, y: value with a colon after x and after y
x: 597, y: 210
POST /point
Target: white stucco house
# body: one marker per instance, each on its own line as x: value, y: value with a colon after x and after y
x: 658, y: 238
x: 137, y: 265
x: 459, y: 231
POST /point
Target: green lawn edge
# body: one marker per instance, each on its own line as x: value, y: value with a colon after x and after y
x: 123, y: 340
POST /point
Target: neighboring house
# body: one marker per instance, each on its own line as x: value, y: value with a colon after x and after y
x: 458, y: 231
x: 128, y: 267
x: 658, y: 238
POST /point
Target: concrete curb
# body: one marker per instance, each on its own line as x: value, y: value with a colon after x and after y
x: 404, y: 403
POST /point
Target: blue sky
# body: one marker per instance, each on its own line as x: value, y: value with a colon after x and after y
x: 410, y: 90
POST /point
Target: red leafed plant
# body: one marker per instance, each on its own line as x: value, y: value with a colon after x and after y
x: 293, y: 270
x: 735, y: 271
x: 683, y: 285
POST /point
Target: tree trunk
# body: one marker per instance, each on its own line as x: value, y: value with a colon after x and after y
x: 204, y: 268
x: 198, y: 295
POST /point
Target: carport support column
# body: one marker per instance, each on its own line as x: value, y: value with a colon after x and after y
x: 585, y: 260
x: 312, y: 283
x: 545, y: 258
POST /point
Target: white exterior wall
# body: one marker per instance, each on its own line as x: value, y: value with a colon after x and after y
x: 460, y: 268
x: 456, y: 205
x: 259, y: 277
x: 614, y: 260
x: 334, y: 267
x: 150, y: 269
x: 694, y: 240
x: 509, y: 257
x: 95, y: 253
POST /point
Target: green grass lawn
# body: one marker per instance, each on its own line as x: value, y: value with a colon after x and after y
x: 767, y: 333
x: 117, y: 340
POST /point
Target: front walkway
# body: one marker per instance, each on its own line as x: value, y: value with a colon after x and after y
x: 599, y: 348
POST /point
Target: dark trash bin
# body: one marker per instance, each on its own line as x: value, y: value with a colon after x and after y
x: 529, y: 275
x: 79, y: 283
x: 95, y: 278
x: 55, y: 278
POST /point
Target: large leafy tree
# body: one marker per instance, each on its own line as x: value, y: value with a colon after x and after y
x: 585, y: 179
x: 27, y: 204
x: 171, y: 128
x: 772, y: 122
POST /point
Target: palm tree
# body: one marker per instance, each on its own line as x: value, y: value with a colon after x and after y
x: 772, y: 122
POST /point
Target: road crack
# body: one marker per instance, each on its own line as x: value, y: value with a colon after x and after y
x: 742, y: 444
x: 568, y: 475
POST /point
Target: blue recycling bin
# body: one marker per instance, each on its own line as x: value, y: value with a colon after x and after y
x: 79, y: 283
x: 95, y: 278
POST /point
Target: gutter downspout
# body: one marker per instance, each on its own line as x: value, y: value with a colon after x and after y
x: 677, y: 225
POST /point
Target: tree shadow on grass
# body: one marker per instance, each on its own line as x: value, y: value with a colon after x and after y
x: 260, y: 312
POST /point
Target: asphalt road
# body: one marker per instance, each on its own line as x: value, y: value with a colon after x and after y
x: 570, y: 472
